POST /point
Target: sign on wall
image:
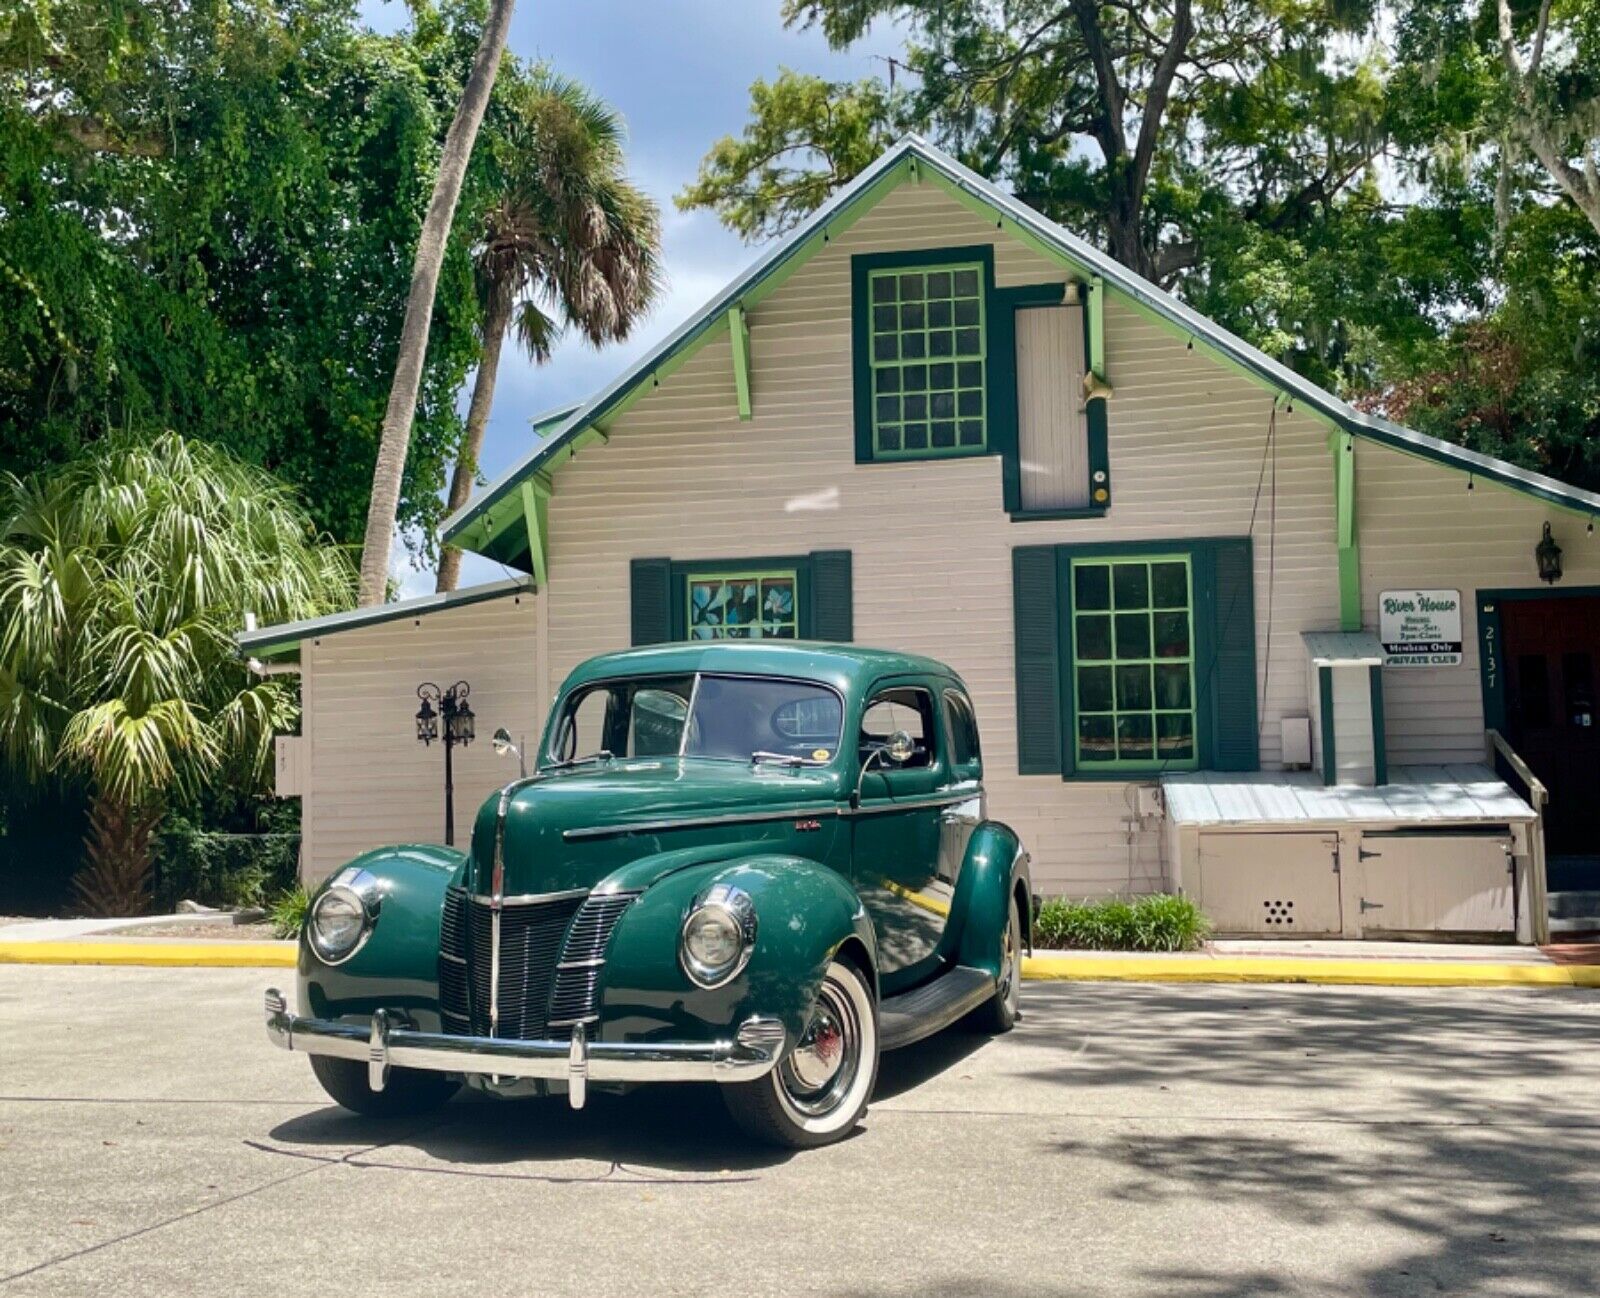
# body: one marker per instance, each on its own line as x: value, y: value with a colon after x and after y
x: 1420, y: 628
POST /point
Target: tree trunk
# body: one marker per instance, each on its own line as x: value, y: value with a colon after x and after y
x: 115, y: 878
x: 397, y: 418
x: 496, y: 319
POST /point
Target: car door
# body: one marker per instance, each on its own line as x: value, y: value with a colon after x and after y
x: 897, y: 829
x: 964, y: 785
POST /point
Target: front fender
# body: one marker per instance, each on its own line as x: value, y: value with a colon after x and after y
x: 993, y: 873
x: 398, y: 966
x: 804, y: 913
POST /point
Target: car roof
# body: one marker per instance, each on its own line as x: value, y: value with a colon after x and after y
x: 846, y: 667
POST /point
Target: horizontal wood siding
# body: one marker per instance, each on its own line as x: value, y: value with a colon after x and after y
x: 1422, y: 529
x: 368, y: 781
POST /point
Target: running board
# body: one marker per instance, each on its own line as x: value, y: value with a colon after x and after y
x: 916, y: 1014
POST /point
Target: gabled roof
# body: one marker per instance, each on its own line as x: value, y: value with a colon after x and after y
x: 495, y: 524
x: 283, y: 640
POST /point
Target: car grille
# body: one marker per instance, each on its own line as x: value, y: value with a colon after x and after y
x: 551, y: 955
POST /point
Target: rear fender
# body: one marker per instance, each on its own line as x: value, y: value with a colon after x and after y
x: 994, y: 873
x: 398, y: 966
x: 805, y: 912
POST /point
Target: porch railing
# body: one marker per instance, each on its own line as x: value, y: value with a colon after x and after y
x: 1538, y: 796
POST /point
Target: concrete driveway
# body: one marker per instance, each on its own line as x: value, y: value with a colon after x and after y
x: 1127, y: 1139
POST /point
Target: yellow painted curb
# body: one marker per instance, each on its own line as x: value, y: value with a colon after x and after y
x: 1286, y: 969
x: 195, y: 955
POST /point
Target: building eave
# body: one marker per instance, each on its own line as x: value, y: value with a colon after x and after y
x: 279, y: 642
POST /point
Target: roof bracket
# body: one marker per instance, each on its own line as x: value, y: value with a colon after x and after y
x: 739, y: 331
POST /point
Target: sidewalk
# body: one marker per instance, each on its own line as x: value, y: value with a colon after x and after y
x: 1395, y: 964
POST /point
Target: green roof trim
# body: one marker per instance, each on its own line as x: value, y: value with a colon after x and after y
x: 494, y: 525
x: 284, y: 639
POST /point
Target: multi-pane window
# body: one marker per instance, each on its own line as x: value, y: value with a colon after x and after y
x: 926, y: 347
x: 742, y: 605
x: 1133, y: 662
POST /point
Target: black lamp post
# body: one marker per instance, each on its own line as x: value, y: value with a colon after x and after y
x: 458, y: 729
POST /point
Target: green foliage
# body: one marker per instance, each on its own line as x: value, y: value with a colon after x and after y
x: 233, y: 856
x: 207, y: 213
x: 1157, y: 923
x: 124, y: 577
x: 288, y: 912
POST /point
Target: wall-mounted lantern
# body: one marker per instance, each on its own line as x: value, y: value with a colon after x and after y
x: 460, y: 726
x: 1548, y: 553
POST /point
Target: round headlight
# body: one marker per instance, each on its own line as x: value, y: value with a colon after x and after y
x: 337, y: 925
x: 718, y: 936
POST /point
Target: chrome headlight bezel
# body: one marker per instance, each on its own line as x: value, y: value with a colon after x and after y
x: 724, y: 902
x: 356, y: 888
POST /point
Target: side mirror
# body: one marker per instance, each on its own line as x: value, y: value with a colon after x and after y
x: 503, y: 746
x: 901, y: 748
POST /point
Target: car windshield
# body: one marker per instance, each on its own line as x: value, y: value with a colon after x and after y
x: 736, y: 718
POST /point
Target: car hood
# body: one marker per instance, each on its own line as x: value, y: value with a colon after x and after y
x: 571, y: 829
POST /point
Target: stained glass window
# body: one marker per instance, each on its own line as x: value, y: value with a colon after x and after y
x: 926, y: 340
x: 1133, y: 662
x: 742, y: 605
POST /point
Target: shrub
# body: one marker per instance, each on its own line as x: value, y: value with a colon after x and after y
x: 288, y: 912
x: 1159, y: 923
x: 229, y: 870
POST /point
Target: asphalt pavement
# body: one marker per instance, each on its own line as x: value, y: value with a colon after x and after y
x: 1173, y: 1140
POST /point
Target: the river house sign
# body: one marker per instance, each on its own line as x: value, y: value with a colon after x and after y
x: 1420, y: 628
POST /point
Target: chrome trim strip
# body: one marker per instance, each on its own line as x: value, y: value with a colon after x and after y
x: 697, y: 822
x: 455, y: 959
x: 528, y: 898
x: 884, y: 805
x: 568, y: 1023
x: 383, y: 1043
x: 581, y: 964
x: 688, y: 715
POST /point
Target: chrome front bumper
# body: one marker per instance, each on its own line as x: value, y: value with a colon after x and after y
x: 389, y: 1042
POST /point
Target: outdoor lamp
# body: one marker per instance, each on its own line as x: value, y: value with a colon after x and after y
x: 1548, y: 553
x: 427, y: 718
x: 459, y: 718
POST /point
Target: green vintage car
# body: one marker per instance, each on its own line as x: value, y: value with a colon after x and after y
x: 754, y: 863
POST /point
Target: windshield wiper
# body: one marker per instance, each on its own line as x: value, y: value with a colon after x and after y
x: 604, y: 755
x: 784, y: 759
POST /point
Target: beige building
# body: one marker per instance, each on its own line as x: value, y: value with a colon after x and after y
x: 1224, y: 633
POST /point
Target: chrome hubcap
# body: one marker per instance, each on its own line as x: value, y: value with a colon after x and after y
x: 1010, y: 961
x: 819, y: 1071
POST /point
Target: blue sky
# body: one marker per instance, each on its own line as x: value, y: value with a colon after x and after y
x: 679, y: 71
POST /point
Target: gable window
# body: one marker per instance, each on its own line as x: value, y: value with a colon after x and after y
x: 1133, y: 662
x: 1135, y: 658
x: 742, y: 605
x: 921, y: 322
x: 927, y: 360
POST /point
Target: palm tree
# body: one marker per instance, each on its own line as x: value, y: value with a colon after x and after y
x: 123, y: 578
x: 395, y: 440
x: 567, y: 240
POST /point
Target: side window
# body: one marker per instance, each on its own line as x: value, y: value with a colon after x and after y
x: 583, y: 726
x: 963, y: 728
x: 907, y: 708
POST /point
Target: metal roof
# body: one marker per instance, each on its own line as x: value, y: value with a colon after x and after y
x: 285, y: 637
x: 1415, y: 795
x: 1343, y: 648
x: 909, y: 157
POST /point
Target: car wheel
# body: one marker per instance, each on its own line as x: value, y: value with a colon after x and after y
x: 1002, y: 1010
x: 820, y: 1089
x: 408, y: 1090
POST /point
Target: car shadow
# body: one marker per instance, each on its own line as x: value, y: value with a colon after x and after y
x: 679, y: 1130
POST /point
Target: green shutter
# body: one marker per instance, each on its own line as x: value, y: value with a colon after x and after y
x: 832, y: 598
x: 650, y: 602
x: 1036, y: 605
x: 1233, y: 640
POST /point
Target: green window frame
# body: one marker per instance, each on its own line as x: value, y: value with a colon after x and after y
x: 928, y: 356
x: 753, y: 604
x: 1133, y: 639
x: 925, y: 376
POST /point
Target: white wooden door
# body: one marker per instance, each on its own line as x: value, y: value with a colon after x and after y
x: 1052, y: 429
x: 1277, y: 885
x: 1442, y: 883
